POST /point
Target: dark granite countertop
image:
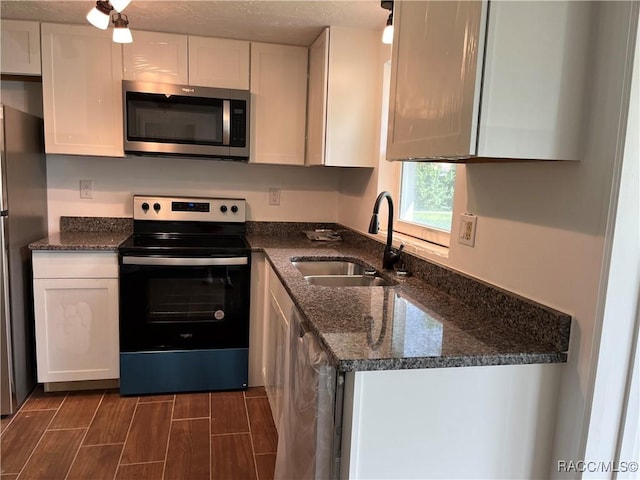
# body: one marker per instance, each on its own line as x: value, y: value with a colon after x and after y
x: 87, y: 233
x: 414, y: 324
x: 108, y: 241
x: 422, y: 322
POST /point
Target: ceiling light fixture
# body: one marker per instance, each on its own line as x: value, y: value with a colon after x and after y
x: 121, y: 32
x: 120, y: 5
x: 387, y: 34
x: 98, y: 16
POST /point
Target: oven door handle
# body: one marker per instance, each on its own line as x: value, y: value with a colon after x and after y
x: 185, y: 261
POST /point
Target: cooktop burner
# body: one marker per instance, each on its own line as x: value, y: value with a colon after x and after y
x: 209, y: 226
x: 184, y: 243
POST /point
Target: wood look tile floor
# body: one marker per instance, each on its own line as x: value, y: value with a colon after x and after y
x: 100, y: 435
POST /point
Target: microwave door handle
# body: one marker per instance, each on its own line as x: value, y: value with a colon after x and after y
x: 185, y: 261
x: 226, y: 121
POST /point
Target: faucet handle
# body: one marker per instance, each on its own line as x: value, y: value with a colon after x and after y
x: 400, y: 248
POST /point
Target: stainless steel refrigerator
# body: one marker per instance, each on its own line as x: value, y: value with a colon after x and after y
x: 24, y: 220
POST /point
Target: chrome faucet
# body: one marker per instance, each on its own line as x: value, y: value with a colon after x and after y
x: 389, y: 258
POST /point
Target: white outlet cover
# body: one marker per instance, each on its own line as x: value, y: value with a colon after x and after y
x: 467, y: 233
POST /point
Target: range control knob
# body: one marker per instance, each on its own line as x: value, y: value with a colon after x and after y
x: 223, y: 208
x: 234, y: 209
x: 156, y: 207
x: 145, y: 207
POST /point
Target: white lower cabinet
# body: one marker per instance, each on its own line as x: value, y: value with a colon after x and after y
x: 276, y: 343
x: 76, y: 315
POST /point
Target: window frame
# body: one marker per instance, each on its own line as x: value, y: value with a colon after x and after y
x: 421, y: 232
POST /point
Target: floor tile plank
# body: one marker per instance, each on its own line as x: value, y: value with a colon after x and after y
x: 54, y: 454
x: 265, y: 437
x: 191, y: 405
x: 4, y: 422
x: 232, y: 457
x: 266, y: 466
x: 228, y: 413
x: 156, y: 398
x: 141, y: 471
x: 21, y: 437
x: 96, y: 463
x: 149, y: 433
x: 255, y: 392
x: 189, y: 452
x: 41, y: 400
x: 77, y: 410
x: 112, y: 420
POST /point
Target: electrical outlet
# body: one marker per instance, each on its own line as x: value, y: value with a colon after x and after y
x: 274, y: 196
x: 86, y: 188
x: 467, y: 235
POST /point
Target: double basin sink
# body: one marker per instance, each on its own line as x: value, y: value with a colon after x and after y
x: 340, y: 273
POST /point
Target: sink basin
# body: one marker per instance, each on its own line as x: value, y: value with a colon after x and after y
x: 348, y: 281
x: 330, y: 267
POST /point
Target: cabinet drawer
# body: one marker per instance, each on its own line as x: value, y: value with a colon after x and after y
x: 57, y: 264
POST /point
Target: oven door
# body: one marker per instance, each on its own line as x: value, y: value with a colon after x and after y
x: 183, y: 303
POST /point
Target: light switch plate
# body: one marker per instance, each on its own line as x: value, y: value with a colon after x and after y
x: 467, y: 234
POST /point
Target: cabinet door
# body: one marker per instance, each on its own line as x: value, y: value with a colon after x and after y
x: 76, y: 329
x: 81, y: 91
x: 276, y: 357
x: 218, y: 62
x: 20, y: 43
x: 156, y: 57
x: 536, y: 62
x: 354, y: 94
x: 278, y: 103
x: 317, y: 102
x: 433, y: 103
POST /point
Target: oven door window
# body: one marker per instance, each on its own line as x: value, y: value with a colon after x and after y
x: 167, y: 307
x: 187, y: 300
x: 177, y: 119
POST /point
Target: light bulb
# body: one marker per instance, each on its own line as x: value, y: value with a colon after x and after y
x: 120, y: 5
x: 122, y: 35
x: 121, y: 32
x: 387, y: 35
x: 98, y: 16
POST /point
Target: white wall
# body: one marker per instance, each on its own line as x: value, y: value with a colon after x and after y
x: 541, y: 226
x: 308, y: 194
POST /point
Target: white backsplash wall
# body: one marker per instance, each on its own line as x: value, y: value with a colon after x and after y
x: 307, y: 194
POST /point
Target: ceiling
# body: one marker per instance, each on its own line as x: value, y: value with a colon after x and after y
x: 293, y: 22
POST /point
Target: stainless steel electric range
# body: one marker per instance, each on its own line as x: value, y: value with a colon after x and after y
x: 184, y: 296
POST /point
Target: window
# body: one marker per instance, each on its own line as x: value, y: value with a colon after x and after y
x: 426, y: 201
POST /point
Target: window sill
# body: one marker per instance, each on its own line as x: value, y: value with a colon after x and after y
x: 415, y: 246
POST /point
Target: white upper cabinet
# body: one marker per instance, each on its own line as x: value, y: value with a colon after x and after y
x: 20, y: 47
x: 344, y: 98
x: 218, y: 62
x: 519, y: 96
x: 278, y: 103
x: 156, y: 57
x: 187, y: 60
x: 82, y: 91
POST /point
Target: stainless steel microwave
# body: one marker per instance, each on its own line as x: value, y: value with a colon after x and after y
x: 184, y: 120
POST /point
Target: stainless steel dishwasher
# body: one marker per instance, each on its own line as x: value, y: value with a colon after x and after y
x: 310, y: 424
